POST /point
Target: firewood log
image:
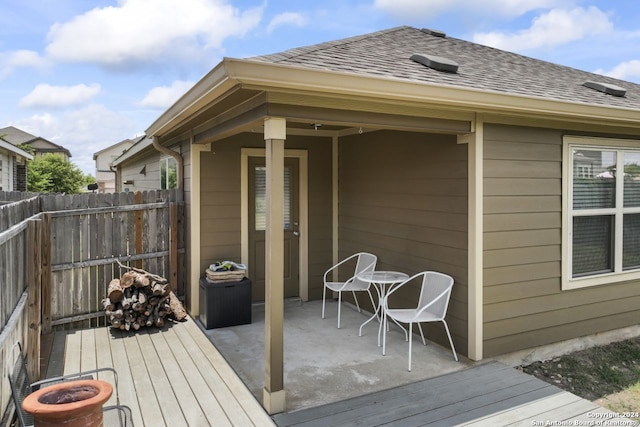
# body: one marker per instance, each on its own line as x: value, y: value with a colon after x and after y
x: 142, y: 281
x: 177, y: 309
x: 107, y: 305
x: 159, y: 288
x: 127, y: 279
x: 114, y: 291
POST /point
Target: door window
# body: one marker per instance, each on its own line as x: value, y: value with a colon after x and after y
x: 260, y: 174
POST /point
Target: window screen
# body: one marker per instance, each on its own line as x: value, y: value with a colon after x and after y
x: 261, y: 197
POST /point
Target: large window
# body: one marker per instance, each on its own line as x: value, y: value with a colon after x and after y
x: 601, y: 219
x: 168, y: 173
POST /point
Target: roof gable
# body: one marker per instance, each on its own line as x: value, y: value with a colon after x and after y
x: 387, y: 54
x: 17, y: 136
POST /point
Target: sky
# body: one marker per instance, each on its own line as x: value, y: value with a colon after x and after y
x: 87, y: 74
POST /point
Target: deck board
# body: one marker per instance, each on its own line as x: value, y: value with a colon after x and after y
x: 194, y: 415
x: 490, y: 394
x: 168, y: 377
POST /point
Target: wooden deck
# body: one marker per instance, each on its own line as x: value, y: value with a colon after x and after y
x: 491, y: 394
x: 176, y: 377
x: 169, y: 377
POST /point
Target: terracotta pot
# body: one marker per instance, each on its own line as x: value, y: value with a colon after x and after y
x: 69, y: 404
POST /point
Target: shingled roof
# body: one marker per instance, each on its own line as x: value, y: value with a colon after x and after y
x: 387, y: 54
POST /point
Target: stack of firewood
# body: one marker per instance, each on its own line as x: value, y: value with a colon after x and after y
x: 139, y: 298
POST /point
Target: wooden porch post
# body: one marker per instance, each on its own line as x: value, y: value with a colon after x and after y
x: 275, y: 130
x: 193, y: 296
x: 475, y: 141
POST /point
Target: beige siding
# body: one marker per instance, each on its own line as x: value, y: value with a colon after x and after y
x: 149, y: 180
x: 221, y: 198
x: 523, y: 304
x: 403, y: 197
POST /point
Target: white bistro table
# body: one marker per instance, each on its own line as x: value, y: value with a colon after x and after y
x: 383, y: 281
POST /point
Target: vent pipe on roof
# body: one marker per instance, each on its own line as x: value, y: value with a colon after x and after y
x: 437, y: 63
x: 607, y: 88
x: 435, y: 33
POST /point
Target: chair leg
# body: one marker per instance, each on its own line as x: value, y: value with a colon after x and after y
x: 453, y: 349
x: 410, y: 341
x: 339, y: 304
x: 421, y: 334
x: 384, y: 334
x: 324, y: 295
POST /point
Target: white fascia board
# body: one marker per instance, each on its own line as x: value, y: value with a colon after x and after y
x: 264, y: 76
x: 10, y: 147
x: 132, y: 151
x: 215, y: 83
x: 286, y: 77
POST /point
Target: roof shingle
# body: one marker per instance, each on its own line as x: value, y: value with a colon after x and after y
x: 387, y: 54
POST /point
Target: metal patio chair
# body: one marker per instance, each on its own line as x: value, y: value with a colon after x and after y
x: 21, y: 386
x: 432, y: 306
x: 364, y: 262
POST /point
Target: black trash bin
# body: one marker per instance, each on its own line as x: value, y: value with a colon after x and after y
x: 225, y: 304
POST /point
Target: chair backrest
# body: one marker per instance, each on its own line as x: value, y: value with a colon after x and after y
x: 366, y: 262
x: 436, y: 290
x: 20, y: 384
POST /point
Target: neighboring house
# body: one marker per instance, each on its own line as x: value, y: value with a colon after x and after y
x: 142, y: 168
x: 40, y: 145
x: 105, y: 175
x: 485, y: 171
x: 13, y: 167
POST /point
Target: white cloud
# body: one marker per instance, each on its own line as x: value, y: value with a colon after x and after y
x: 165, y: 96
x: 47, y: 96
x: 10, y: 61
x: 142, y: 31
x: 553, y: 28
x: 426, y: 9
x: 83, y: 132
x: 287, y: 18
x: 628, y: 70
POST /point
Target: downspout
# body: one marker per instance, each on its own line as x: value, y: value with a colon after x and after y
x: 177, y: 156
x: 115, y: 178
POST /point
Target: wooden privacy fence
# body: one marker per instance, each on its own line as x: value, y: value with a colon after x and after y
x: 88, y: 233
x: 19, y: 308
x: 58, y: 253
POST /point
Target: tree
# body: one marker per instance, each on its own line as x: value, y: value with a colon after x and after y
x: 51, y: 173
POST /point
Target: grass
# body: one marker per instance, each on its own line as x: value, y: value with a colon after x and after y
x: 607, y: 375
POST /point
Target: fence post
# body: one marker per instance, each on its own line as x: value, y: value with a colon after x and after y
x: 45, y: 238
x: 138, y: 226
x: 173, y: 246
x: 34, y: 301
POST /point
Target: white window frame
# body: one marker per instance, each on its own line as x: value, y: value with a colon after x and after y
x: 618, y: 275
x: 166, y: 160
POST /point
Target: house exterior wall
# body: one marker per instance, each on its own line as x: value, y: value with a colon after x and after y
x: 4, y: 171
x: 524, y: 305
x: 106, y: 178
x: 42, y: 147
x: 403, y: 197
x: 149, y: 180
x: 221, y: 199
